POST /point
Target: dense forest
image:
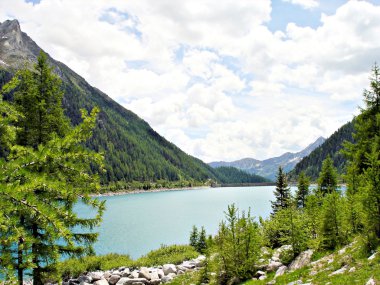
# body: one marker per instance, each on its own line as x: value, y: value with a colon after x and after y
x: 229, y: 175
x: 312, y: 164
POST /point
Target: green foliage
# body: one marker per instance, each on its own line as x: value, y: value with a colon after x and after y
x: 198, y: 239
x: 303, y: 190
x: 231, y: 175
x: 238, y: 244
x: 282, y: 192
x: 327, y: 181
x: 167, y: 254
x: 41, y: 180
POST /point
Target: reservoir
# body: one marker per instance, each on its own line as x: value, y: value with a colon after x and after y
x: 134, y: 224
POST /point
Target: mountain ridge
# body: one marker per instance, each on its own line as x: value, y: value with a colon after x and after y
x: 268, y: 167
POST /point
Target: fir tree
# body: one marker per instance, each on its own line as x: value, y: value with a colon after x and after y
x: 194, y: 237
x: 202, y: 241
x: 327, y: 181
x: 303, y: 190
x: 281, y: 193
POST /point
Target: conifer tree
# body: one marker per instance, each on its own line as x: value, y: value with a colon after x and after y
x: 202, y: 241
x: 281, y: 193
x: 303, y: 189
x: 327, y: 181
x: 45, y: 176
x: 194, y: 237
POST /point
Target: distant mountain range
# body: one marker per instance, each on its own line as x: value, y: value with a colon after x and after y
x: 268, y: 167
x: 312, y: 163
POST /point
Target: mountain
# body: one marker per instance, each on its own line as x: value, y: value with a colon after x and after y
x: 133, y: 150
x: 232, y: 175
x: 312, y: 163
x: 268, y: 167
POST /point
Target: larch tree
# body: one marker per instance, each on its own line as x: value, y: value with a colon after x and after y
x: 281, y: 193
x: 303, y: 189
x: 328, y: 177
x: 45, y: 175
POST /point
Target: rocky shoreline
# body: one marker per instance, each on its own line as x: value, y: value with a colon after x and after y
x: 137, y: 276
x: 138, y: 191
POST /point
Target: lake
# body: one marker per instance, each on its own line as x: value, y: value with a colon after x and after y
x: 137, y: 223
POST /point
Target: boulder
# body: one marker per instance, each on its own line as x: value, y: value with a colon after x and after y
x: 259, y: 273
x: 182, y: 268
x: 122, y: 280
x: 125, y: 273
x: 101, y: 282
x: 352, y: 269
x: 372, y: 257
x: 188, y: 264
x: 371, y: 281
x: 169, y: 268
x: 199, y: 260
x: 264, y: 251
x: 280, y: 271
x: 155, y: 281
x: 166, y: 279
x: 133, y: 281
x: 84, y: 279
x: 339, y: 271
x: 262, y: 277
x: 96, y: 275
x: 160, y: 273
x: 172, y: 275
x: 295, y: 282
x: 271, y: 282
x: 154, y: 274
x: 144, y: 273
x: 134, y: 274
x: 273, y: 266
x: 283, y: 253
x: 107, y: 275
x: 114, y: 279
x: 303, y: 259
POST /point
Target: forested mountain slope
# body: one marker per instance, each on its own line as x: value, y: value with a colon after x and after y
x: 133, y: 150
x: 312, y: 163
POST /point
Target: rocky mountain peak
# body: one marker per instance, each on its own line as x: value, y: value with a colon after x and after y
x: 10, y: 35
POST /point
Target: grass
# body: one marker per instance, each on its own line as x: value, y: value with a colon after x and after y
x: 166, y: 254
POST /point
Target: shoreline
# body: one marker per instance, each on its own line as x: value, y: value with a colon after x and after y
x: 139, y: 191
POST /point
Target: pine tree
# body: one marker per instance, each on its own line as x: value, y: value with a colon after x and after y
x: 281, y: 193
x: 45, y: 175
x: 327, y: 181
x: 194, y: 237
x: 202, y: 241
x: 303, y: 189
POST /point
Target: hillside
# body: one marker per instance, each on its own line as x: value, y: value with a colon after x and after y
x: 269, y: 167
x: 312, y: 163
x: 231, y: 175
x: 133, y: 150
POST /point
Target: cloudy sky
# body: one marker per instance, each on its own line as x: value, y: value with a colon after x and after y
x: 222, y: 79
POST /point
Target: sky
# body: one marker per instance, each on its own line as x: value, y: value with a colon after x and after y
x: 225, y: 79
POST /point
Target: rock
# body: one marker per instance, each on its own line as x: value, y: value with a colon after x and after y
x: 188, y: 264
x: 339, y: 271
x: 144, y: 273
x: 273, y: 266
x: 169, y: 268
x: 262, y: 277
x: 180, y: 272
x: 264, y: 251
x: 84, y: 279
x: 275, y: 259
x: 301, y: 260
x: 114, y: 279
x: 283, y: 253
x: 96, y: 275
x: 372, y: 257
x: 101, y: 282
x: 160, y: 273
x: 295, y: 282
x: 82, y: 283
x: 280, y: 271
x: 73, y: 282
x: 352, y: 269
x: 182, y: 268
x: 154, y: 274
x: 342, y: 251
x: 122, y: 280
x: 371, y: 281
x: 126, y: 272
x: 133, y: 281
x: 134, y: 274
x: 107, y: 275
x: 155, y: 281
x: 271, y: 282
x: 166, y: 279
x: 259, y: 273
x: 172, y: 275
x: 234, y: 281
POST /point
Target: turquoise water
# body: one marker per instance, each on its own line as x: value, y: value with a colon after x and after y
x: 135, y: 224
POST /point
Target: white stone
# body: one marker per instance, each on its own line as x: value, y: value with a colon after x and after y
x: 339, y: 271
x: 280, y: 271
x: 169, y: 268
x: 301, y: 260
x: 371, y: 281
x: 101, y: 282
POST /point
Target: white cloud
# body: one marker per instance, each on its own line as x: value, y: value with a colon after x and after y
x: 306, y: 4
x: 210, y: 76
